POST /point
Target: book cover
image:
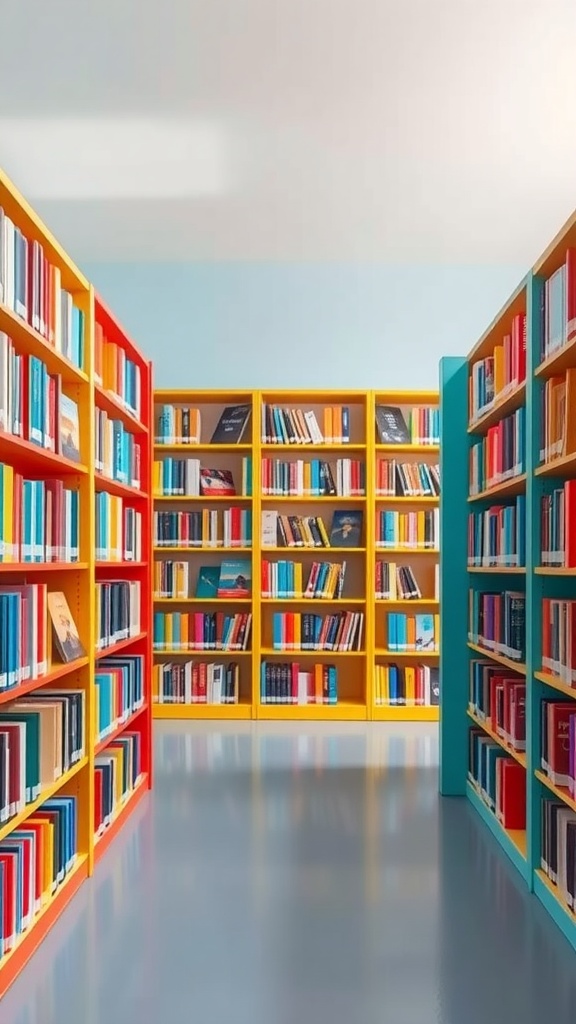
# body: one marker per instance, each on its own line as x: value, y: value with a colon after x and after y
x: 232, y: 424
x: 69, y: 429
x: 216, y: 482
x: 425, y: 633
x: 346, y: 530
x: 208, y: 579
x: 65, y: 632
x: 235, y: 578
x: 391, y: 425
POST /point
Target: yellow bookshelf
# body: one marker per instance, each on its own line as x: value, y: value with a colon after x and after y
x: 355, y: 668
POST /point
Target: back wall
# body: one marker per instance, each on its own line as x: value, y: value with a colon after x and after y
x: 324, y: 325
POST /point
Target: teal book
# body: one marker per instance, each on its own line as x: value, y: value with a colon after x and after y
x: 235, y: 578
x: 208, y: 580
x: 425, y: 633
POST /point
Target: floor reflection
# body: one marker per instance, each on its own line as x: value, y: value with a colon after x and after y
x: 280, y: 873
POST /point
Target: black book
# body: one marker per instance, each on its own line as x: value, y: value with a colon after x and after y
x: 231, y: 425
x: 391, y: 425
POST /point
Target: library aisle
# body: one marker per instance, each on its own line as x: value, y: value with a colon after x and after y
x: 279, y: 873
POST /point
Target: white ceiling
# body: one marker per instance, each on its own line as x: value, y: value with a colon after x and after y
x: 413, y: 130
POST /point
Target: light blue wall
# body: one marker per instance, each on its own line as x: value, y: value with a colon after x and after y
x: 307, y: 325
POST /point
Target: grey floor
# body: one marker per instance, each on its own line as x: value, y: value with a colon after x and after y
x: 297, y: 875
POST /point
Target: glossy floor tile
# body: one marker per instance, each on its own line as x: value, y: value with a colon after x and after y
x: 284, y: 874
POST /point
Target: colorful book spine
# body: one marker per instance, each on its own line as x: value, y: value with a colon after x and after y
x: 396, y: 582
x: 118, y: 530
x: 495, y: 376
x: 295, y: 631
x: 424, y: 425
x: 292, y: 683
x: 418, y: 530
x: 500, y: 455
x: 313, y: 478
x: 116, y: 372
x: 39, y: 519
x: 558, y: 848
x: 188, y: 478
x: 498, y: 622
x: 119, y: 692
x: 117, y: 453
x: 178, y: 424
x: 230, y: 527
x: 497, y: 535
x: 118, y: 611
x: 199, y: 631
x: 558, y: 526
x: 23, y: 633
x: 298, y: 426
x: 197, y: 682
x: 285, y: 580
x: 172, y: 579
x: 293, y: 531
x: 407, y: 479
x: 406, y: 685
x: 559, y: 639
x: 559, y: 313
x: 117, y: 772
x: 499, y: 780
x: 418, y: 633
x: 497, y: 696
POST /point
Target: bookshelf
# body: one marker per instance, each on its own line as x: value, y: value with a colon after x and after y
x: 47, y: 557
x: 533, y: 552
x: 288, y: 480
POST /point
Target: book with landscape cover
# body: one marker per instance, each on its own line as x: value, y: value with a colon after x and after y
x: 232, y: 424
x: 216, y: 482
x: 235, y: 578
x: 66, y: 636
x: 392, y: 427
x: 346, y: 531
x: 208, y: 579
x: 69, y: 429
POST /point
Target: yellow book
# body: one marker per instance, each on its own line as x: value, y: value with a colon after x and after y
x: 307, y: 478
x: 117, y: 755
x: 332, y: 581
x: 421, y: 527
x: 322, y: 531
x: 499, y: 370
x: 305, y: 530
x: 48, y: 879
x: 437, y: 632
x: 157, y: 477
x: 205, y: 525
x: 328, y: 425
x: 297, y: 632
x: 410, y: 678
x: 168, y: 630
x: 184, y: 631
x: 7, y: 535
x: 298, y: 579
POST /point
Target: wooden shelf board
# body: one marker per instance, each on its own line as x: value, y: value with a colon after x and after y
x: 405, y: 713
x: 120, y: 565
x: 515, y: 666
x: 30, y: 342
x: 316, y: 499
x: 554, y: 570
x: 555, y: 683
x: 32, y: 458
x: 550, y: 896
x: 311, y: 602
x: 202, y: 711
x: 499, y: 570
x: 104, y: 483
x: 106, y: 652
x: 103, y: 841
x: 18, y: 819
x: 406, y: 551
x: 486, y: 726
x: 408, y: 602
x: 557, y: 362
x: 114, y: 406
x: 512, y: 841
x: 204, y: 446
x: 298, y: 449
x: 160, y: 550
x: 416, y: 448
x: 564, y: 466
x: 55, y: 673
x: 309, y: 549
x: 562, y: 792
x: 101, y: 745
x: 516, y: 485
x: 42, y: 566
x: 28, y: 942
x: 202, y: 600
x: 383, y: 652
x: 207, y: 499
x: 211, y: 655
x: 297, y: 655
x: 504, y: 404
x: 411, y: 499
x: 344, y: 711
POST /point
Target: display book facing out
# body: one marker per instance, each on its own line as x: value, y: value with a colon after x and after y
x: 48, y: 702
x: 295, y: 554
x: 508, y: 524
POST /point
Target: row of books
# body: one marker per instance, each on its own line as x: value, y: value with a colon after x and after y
x: 39, y: 519
x: 496, y: 375
x: 117, y: 453
x: 23, y: 633
x: 289, y: 683
x: 498, y: 779
x: 497, y: 535
x: 231, y: 527
x: 313, y: 479
x: 31, y: 287
x: 394, y: 582
x: 407, y: 479
x: 309, y: 531
x: 119, y: 692
x: 558, y: 743
x: 419, y: 632
x: 558, y: 847
x: 33, y: 405
x: 42, y: 736
x: 231, y: 579
x: 559, y: 307
x: 189, y: 479
x: 34, y: 862
x: 558, y: 416
x: 197, y: 682
x: 500, y: 455
x: 296, y: 426
x: 182, y: 424
x: 419, y: 529
x: 305, y: 631
x: 118, y: 530
x: 285, y: 580
x: 558, y: 526
x: 118, y: 611
x: 498, y: 696
x: 406, y: 685
x: 199, y: 631
x: 559, y: 639
x: 116, y: 372
x: 117, y: 771
x: 420, y: 425
x: 498, y: 622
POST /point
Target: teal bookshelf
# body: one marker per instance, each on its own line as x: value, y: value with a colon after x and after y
x: 457, y: 579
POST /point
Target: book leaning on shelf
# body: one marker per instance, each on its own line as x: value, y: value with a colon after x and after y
x: 394, y: 582
x: 558, y: 419
x: 296, y: 426
x: 313, y: 478
x: 501, y: 372
x: 419, y: 426
x: 406, y: 685
x: 498, y: 622
x: 497, y: 536
x: 295, y: 631
x: 39, y: 519
x: 31, y: 287
x: 231, y: 527
x: 310, y: 531
x: 194, y: 682
x: 292, y: 683
x: 285, y: 580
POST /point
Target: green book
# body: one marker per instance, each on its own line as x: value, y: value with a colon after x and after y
x: 31, y: 720
x: 208, y: 580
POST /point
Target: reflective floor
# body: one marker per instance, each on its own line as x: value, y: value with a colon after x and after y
x: 299, y: 874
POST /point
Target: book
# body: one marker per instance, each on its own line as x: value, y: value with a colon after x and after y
x: 201, y: 631
x: 391, y: 425
x: 215, y: 528
x: 232, y: 424
x: 69, y: 429
x: 346, y: 529
x: 497, y: 535
x: 296, y: 631
x: 235, y: 579
x: 197, y: 682
x: 118, y: 611
x: 65, y: 632
x: 500, y: 455
x: 408, y: 531
x: 497, y: 622
x: 216, y: 482
x: 208, y: 580
x: 405, y: 685
x: 314, y: 477
x: 503, y: 370
x: 299, y: 684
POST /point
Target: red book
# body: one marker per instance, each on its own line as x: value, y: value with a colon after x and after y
x: 513, y: 795
x: 295, y: 668
x: 16, y: 732
x: 202, y: 691
x: 9, y: 860
x: 558, y: 725
x: 37, y: 828
x: 570, y: 294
